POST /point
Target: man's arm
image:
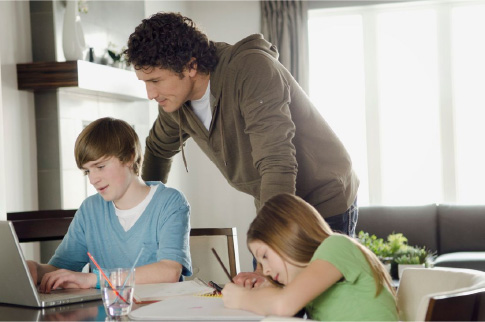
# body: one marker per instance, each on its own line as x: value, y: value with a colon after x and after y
x: 265, y: 106
x: 162, y: 143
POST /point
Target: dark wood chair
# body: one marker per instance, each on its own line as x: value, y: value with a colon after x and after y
x: 464, y: 306
x: 41, y: 225
x: 44, y: 225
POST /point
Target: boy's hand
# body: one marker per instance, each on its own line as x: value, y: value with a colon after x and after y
x: 32, y: 266
x: 63, y: 278
x: 249, y: 279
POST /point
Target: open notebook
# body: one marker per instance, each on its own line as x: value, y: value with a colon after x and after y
x: 192, y: 308
x: 162, y: 291
x: 16, y: 284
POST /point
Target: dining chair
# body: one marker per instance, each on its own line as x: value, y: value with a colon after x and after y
x: 462, y: 306
x: 41, y: 225
x: 424, y: 294
x: 204, y: 263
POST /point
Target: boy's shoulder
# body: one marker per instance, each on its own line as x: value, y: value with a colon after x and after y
x: 163, y: 189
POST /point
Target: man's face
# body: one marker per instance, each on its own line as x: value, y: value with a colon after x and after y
x: 167, y: 87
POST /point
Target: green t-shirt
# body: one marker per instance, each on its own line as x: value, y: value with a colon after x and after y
x: 352, y: 299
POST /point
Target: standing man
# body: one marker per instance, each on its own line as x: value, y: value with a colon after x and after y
x: 246, y: 112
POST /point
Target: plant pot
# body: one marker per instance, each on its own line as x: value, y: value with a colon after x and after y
x: 402, y: 267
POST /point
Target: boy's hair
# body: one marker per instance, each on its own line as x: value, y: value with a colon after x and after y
x: 294, y: 230
x: 108, y: 137
x: 170, y: 41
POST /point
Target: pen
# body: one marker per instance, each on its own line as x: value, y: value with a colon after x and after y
x: 216, y: 286
x: 222, y: 264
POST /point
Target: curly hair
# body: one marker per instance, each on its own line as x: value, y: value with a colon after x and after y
x: 170, y: 41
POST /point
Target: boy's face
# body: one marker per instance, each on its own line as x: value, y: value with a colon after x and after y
x: 167, y: 88
x: 273, y: 264
x: 110, y: 177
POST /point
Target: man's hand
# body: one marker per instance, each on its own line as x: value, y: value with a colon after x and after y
x: 250, y: 279
x: 64, y: 278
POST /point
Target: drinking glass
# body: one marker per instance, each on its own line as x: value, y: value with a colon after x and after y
x: 118, y: 292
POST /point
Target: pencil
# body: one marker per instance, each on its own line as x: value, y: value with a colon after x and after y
x: 107, y: 279
x: 222, y: 264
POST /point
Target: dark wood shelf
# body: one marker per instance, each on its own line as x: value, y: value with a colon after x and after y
x: 81, y: 76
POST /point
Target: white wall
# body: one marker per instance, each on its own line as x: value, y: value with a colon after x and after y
x: 3, y: 210
x: 19, y: 141
x: 214, y: 203
x: 18, y: 158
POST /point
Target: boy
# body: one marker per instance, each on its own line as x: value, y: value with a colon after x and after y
x: 126, y: 215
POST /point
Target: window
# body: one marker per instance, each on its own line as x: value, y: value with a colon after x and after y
x: 402, y: 85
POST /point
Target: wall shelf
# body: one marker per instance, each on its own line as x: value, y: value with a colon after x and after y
x: 81, y: 76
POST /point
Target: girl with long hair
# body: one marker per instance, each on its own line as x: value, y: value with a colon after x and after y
x: 331, y: 275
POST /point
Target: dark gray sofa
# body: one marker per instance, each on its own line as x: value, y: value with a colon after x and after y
x: 456, y: 233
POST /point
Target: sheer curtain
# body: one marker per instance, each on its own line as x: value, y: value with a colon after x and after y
x: 402, y: 86
x: 284, y: 24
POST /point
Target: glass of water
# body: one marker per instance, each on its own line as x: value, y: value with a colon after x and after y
x: 118, y: 292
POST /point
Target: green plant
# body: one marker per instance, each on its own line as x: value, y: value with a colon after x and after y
x: 413, y: 255
x: 376, y: 245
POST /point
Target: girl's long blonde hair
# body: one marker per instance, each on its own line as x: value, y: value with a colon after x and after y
x: 294, y: 229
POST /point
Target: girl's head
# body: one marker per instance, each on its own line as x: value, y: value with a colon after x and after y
x: 108, y: 137
x: 286, y: 233
x: 291, y: 228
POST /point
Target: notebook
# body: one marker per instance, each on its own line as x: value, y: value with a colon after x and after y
x: 192, y: 308
x: 15, y: 277
x: 161, y: 291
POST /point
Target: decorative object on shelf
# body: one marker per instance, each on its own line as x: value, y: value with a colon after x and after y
x: 117, y: 57
x: 73, y: 43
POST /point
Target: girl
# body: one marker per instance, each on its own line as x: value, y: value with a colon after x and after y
x: 330, y: 274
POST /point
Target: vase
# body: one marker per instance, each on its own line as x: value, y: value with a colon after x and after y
x: 73, y: 43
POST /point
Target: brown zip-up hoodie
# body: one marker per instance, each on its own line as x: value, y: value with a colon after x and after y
x: 266, y: 137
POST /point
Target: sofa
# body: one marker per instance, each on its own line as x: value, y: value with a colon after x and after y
x: 455, y: 232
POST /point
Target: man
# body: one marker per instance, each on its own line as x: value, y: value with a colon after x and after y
x: 246, y: 112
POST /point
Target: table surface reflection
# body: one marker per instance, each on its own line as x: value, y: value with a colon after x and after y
x: 86, y: 311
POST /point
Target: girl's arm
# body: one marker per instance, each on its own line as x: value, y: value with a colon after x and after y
x: 313, y: 280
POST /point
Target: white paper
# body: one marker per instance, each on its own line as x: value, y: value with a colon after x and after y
x: 161, y: 291
x: 190, y: 308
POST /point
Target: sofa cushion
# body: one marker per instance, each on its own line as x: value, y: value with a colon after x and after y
x: 461, y: 228
x: 471, y: 260
x: 417, y: 223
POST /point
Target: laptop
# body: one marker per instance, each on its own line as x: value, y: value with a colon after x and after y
x: 16, y: 284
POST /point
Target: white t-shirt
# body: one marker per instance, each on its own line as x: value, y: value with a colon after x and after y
x: 129, y: 217
x: 201, y: 108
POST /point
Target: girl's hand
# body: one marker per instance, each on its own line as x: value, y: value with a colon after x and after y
x: 250, y: 279
x: 233, y: 295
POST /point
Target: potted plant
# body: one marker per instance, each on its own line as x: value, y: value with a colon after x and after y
x: 412, y: 257
x: 378, y: 246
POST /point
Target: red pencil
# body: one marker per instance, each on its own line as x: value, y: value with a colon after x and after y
x: 107, y: 279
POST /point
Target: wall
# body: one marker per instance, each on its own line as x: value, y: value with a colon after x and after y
x: 217, y: 206
x: 19, y: 149
x: 3, y: 211
x: 214, y: 203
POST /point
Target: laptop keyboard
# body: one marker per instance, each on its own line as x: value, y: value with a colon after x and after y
x: 66, y: 295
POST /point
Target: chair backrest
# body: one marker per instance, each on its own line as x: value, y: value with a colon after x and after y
x: 204, y: 264
x: 462, y: 306
x: 418, y: 286
x: 41, y: 225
